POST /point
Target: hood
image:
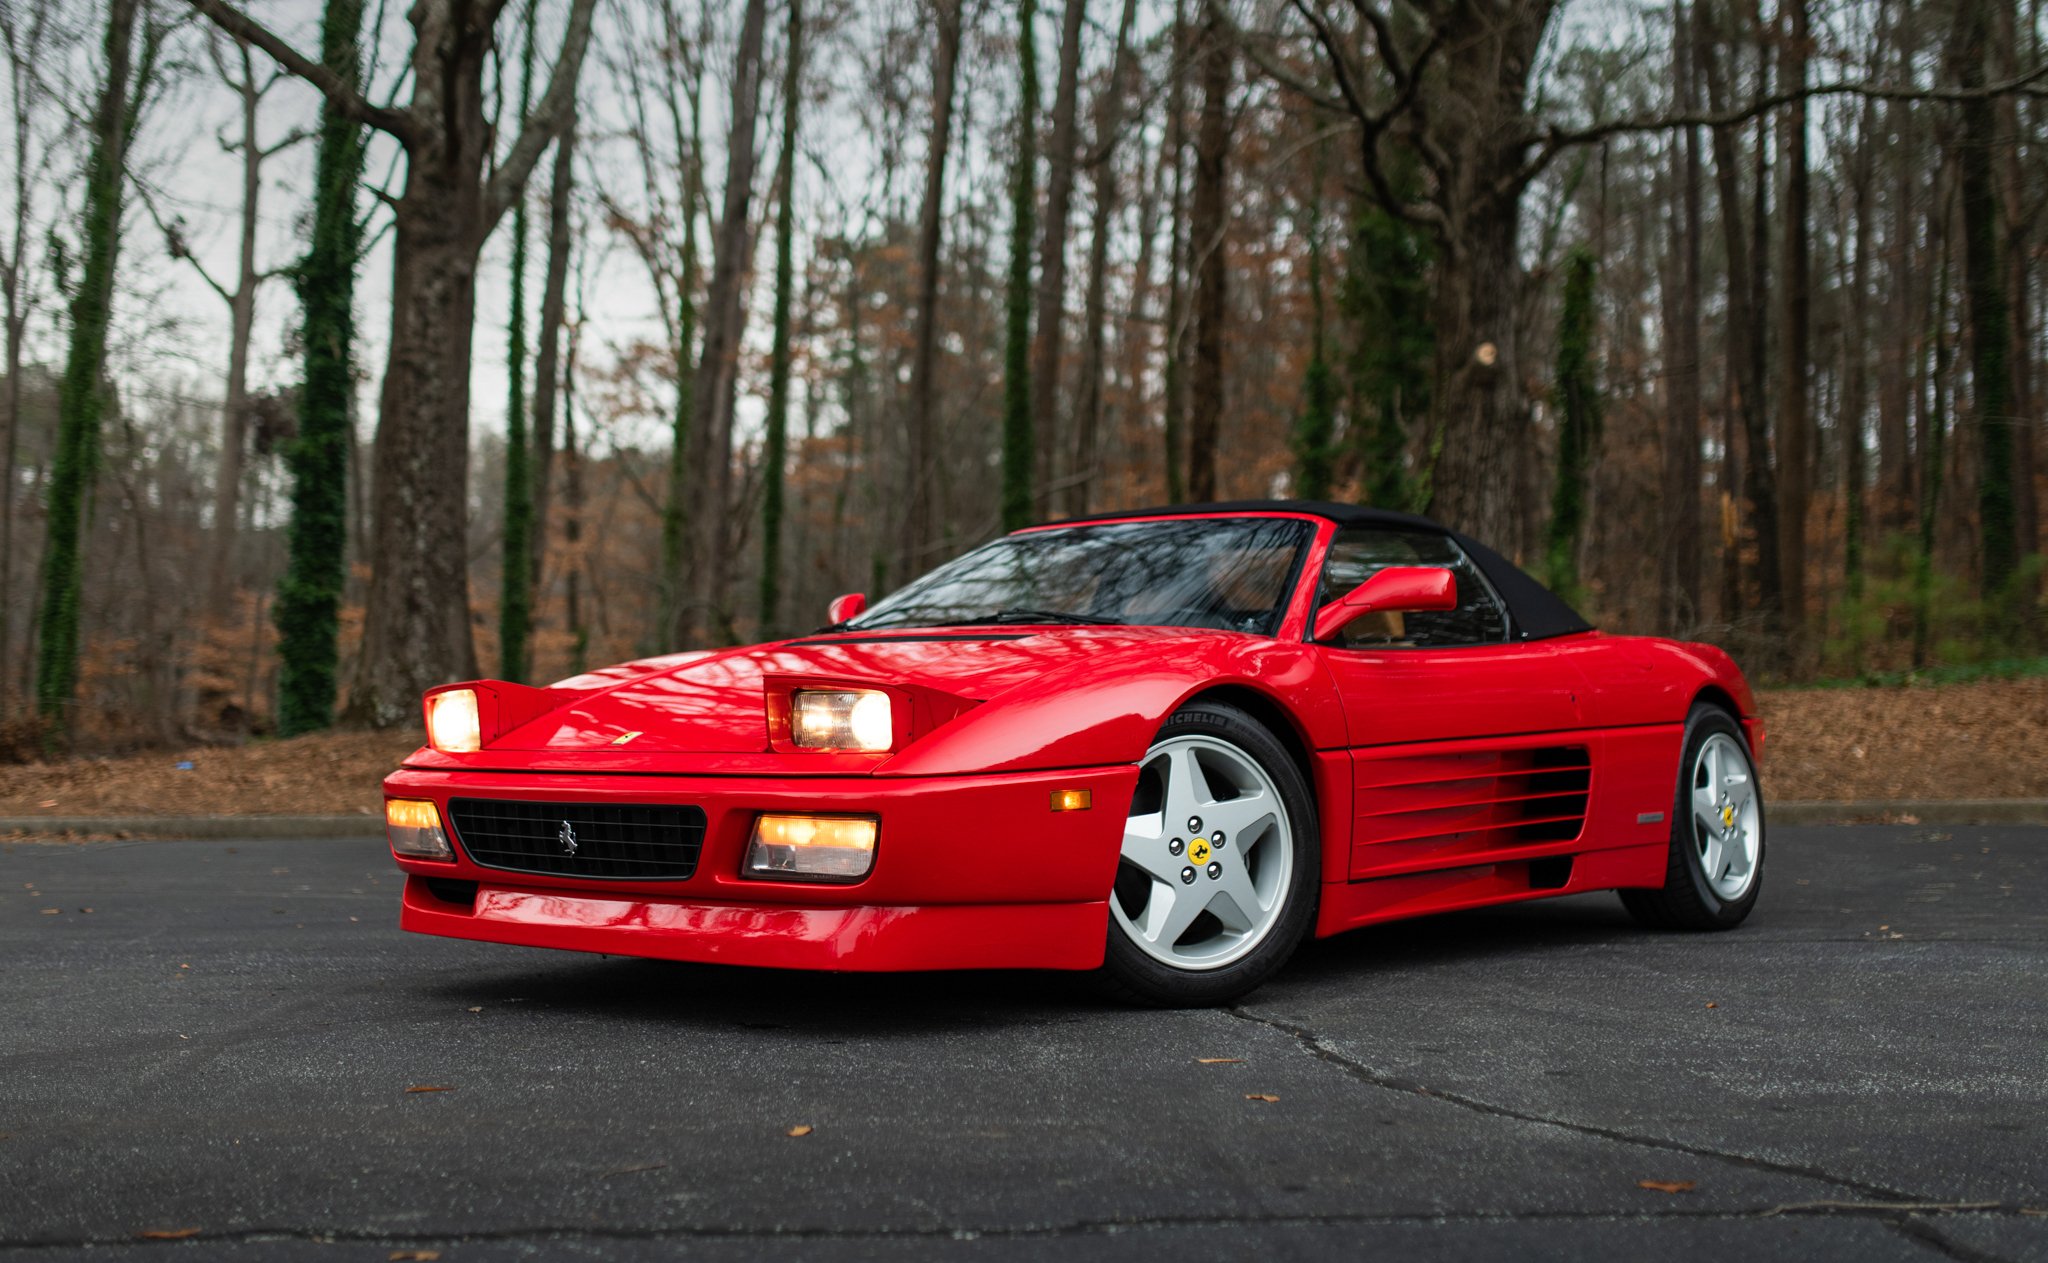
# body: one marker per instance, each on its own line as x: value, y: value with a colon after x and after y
x: 716, y: 703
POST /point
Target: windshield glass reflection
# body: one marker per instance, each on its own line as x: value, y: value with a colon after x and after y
x: 1229, y: 574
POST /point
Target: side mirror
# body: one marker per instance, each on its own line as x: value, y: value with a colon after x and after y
x: 845, y: 607
x: 1397, y: 589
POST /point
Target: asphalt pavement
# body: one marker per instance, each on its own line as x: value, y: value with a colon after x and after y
x: 223, y: 1041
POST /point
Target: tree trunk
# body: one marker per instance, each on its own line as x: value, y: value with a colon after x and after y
x: 1744, y: 343
x: 1482, y: 414
x: 1052, y: 259
x: 675, y: 516
x: 515, y: 578
x: 234, y: 410
x: 547, y: 360
x: 1208, y: 226
x: 1681, y: 482
x: 319, y: 458
x: 1020, y: 459
x: 1484, y: 425
x: 920, y: 439
x: 1578, y: 406
x: 1315, y: 424
x: 82, y: 401
x: 1795, y: 328
x: 1109, y: 117
x: 2018, y: 253
x: 1173, y: 406
x: 725, y: 320
x: 1990, y: 331
x: 775, y: 447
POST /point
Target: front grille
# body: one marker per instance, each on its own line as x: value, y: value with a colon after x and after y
x: 615, y: 842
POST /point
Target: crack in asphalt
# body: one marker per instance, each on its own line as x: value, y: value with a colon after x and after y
x: 1911, y: 1223
x: 1322, y: 1049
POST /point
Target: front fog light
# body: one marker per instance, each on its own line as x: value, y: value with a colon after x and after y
x: 812, y: 848
x: 414, y: 828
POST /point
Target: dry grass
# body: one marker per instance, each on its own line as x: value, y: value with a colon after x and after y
x: 1984, y: 740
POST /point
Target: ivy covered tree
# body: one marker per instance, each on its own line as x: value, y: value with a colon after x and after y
x: 1385, y: 300
x: 309, y: 597
x: 515, y: 583
x: 1315, y: 427
x: 1578, y: 406
x: 84, y: 393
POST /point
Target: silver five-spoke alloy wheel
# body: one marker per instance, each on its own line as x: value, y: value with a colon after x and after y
x: 1209, y: 834
x: 1727, y: 822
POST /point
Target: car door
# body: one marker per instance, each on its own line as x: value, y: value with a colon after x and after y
x: 1467, y: 745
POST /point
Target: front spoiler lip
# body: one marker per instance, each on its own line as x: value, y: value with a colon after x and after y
x: 854, y: 938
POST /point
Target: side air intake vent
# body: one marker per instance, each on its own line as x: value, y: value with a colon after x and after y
x: 1420, y: 811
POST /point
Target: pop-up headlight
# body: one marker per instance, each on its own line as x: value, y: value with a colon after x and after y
x: 453, y: 722
x: 842, y: 719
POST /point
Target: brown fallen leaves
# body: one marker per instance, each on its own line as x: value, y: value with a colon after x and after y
x: 413, y: 1256
x: 1219, y: 1061
x: 167, y: 1234
x: 1267, y: 1097
x: 801, y: 1129
x: 1667, y: 1186
x: 428, y: 1087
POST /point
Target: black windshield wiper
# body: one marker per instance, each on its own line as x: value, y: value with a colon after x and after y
x: 1026, y: 615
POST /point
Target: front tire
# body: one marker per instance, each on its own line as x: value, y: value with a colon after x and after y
x: 1716, y: 861
x: 1221, y: 862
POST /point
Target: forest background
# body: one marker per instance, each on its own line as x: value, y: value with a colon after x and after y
x: 352, y: 348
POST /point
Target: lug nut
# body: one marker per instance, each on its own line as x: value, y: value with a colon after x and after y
x: 1175, y: 847
x: 1215, y: 870
x: 1194, y: 824
x: 1187, y: 876
x: 1217, y: 838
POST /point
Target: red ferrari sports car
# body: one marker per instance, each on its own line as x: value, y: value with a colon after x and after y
x: 1166, y: 744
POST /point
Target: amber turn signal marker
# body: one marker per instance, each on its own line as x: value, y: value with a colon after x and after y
x: 1072, y: 799
x: 413, y: 826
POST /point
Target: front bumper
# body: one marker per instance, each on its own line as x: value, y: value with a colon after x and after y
x: 971, y: 872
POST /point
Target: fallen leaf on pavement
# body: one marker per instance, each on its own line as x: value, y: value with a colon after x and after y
x: 1260, y: 1096
x: 167, y: 1234
x: 1666, y: 1186
x: 1712, y: 1005
x: 51, y: 912
x: 801, y: 1129
x: 422, y: 1256
x: 429, y: 1087
x: 1219, y: 1061
x: 476, y: 1008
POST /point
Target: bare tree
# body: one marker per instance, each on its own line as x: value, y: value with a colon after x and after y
x: 1208, y: 225
x: 249, y: 89
x: 921, y: 444
x: 1052, y: 256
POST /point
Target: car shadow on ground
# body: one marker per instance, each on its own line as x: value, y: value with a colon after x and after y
x: 917, y: 1005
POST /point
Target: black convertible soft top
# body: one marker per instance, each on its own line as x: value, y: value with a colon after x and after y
x: 1535, y: 612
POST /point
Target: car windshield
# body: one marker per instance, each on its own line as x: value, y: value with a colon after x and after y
x: 1233, y: 574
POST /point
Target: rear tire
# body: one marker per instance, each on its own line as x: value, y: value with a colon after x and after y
x: 1714, y: 870
x: 1221, y: 863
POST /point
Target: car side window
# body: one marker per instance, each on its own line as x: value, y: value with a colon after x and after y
x: 1359, y: 553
